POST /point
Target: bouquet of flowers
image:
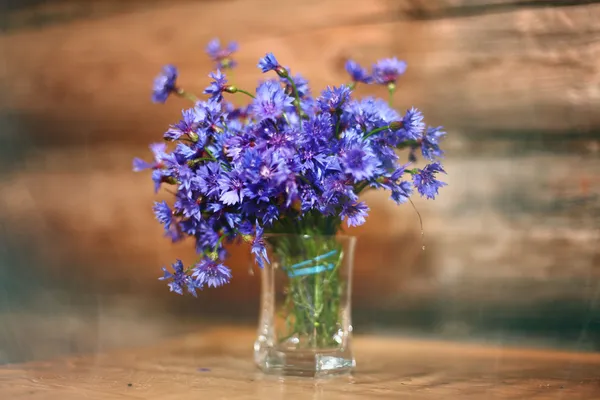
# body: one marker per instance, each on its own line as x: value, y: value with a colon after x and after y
x: 287, y: 162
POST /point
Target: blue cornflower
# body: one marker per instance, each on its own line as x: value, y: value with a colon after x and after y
x: 207, y: 178
x: 259, y: 248
x: 319, y: 129
x: 412, y: 125
x: 164, y: 84
x: 359, y: 161
x: 211, y: 273
x: 210, y: 115
x: 270, y: 101
x: 217, y: 86
x: 232, y: 188
x: 222, y: 55
x: 140, y: 165
x: 186, y: 126
x: 236, y: 145
x: 186, y: 179
x: 163, y: 213
x: 184, y: 153
x: 268, y: 63
x: 425, y: 180
x: 335, y: 186
x: 355, y: 214
x: 333, y: 98
x: 358, y: 73
x: 159, y: 152
x: 388, y: 70
x: 401, y: 192
x: 206, y: 237
x: 430, y: 145
x: 179, y: 279
x: 189, y: 207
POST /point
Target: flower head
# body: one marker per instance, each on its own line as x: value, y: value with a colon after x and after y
x: 222, y: 55
x: 430, y: 145
x: 358, y: 73
x: 355, y: 214
x: 268, y: 63
x: 259, y: 248
x: 179, y: 279
x: 401, y: 192
x: 217, y: 86
x: 425, y: 180
x: 164, y: 84
x: 388, y: 70
x: 334, y: 98
x: 412, y: 125
x: 211, y: 273
x: 163, y: 213
x: 232, y: 188
x: 359, y: 161
x: 270, y: 101
x: 186, y: 126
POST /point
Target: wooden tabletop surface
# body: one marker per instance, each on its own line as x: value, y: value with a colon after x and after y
x: 217, y: 364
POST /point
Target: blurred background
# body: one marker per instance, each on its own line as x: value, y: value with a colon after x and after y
x: 512, y: 244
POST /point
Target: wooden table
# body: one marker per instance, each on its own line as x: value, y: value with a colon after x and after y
x: 217, y: 364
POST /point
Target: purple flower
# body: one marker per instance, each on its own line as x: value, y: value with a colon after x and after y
x: 217, y: 86
x: 222, y: 55
x: 430, y: 145
x: 140, y: 165
x: 268, y: 63
x: 179, y: 279
x: 186, y: 180
x: 207, y: 179
x: 259, y: 248
x: 333, y: 98
x: 159, y: 152
x: 188, y: 207
x: 358, y: 73
x: 187, y: 126
x: 270, y: 101
x: 412, y: 125
x: 232, y: 188
x: 359, y: 161
x: 354, y: 213
x: 206, y: 237
x: 211, y: 273
x: 401, y: 192
x: 425, y: 180
x: 163, y: 213
x: 388, y: 70
x: 164, y: 84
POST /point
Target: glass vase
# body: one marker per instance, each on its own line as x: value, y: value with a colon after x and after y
x: 305, y: 317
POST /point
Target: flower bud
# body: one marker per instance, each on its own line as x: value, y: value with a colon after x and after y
x: 282, y: 72
x: 193, y: 136
x: 230, y: 89
x: 396, y: 125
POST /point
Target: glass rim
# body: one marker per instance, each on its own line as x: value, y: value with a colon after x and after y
x: 308, y: 236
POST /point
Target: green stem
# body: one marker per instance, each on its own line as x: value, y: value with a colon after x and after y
x: 191, y: 97
x: 246, y: 93
x: 361, y: 187
x: 391, y: 89
x: 374, y: 131
x: 296, y: 96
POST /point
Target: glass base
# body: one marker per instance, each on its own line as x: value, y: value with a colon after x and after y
x: 306, y: 362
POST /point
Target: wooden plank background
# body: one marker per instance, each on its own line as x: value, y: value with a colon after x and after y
x: 516, y: 83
